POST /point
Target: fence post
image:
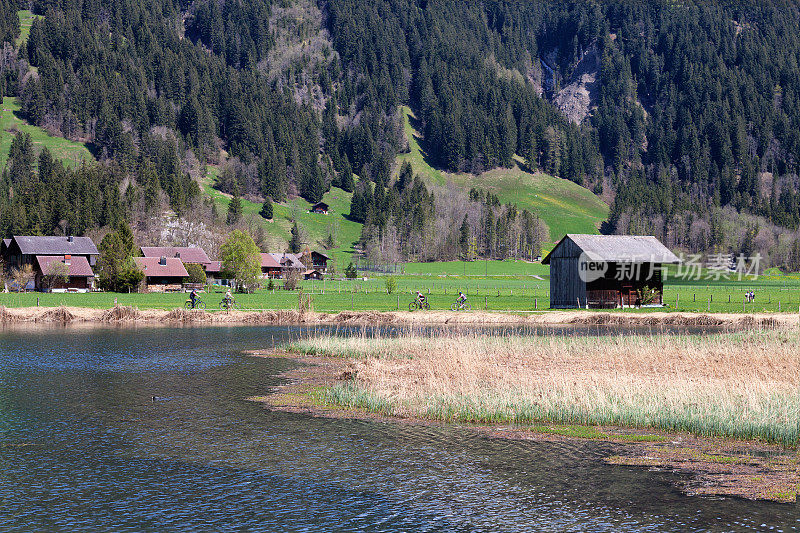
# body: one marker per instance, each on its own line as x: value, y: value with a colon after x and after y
x: 398, y: 301
x: 536, y: 304
x: 485, y: 303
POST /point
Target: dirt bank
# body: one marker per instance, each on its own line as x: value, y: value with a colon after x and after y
x: 132, y: 315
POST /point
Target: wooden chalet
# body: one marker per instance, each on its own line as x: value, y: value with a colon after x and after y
x: 162, y: 274
x: 63, y: 273
x: 606, y: 271
x: 270, y: 268
x: 79, y: 254
x: 187, y: 254
x: 22, y: 250
x: 320, y: 208
x: 319, y: 261
x: 313, y: 274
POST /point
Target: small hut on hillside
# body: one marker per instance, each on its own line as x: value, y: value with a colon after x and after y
x: 319, y: 208
x: 607, y: 271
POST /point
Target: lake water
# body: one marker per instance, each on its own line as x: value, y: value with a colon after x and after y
x: 83, y: 447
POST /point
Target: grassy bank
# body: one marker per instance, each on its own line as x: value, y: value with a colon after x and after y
x: 742, y: 385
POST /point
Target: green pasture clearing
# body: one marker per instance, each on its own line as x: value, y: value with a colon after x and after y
x: 565, y: 206
x: 316, y: 225
x: 26, y: 18
x: 69, y: 152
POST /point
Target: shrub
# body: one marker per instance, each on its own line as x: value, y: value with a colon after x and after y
x: 350, y: 272
x: 391, y: 284
x: 196, y: 273
x: 292, y: 280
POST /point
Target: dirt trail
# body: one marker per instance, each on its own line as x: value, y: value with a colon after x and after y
x: 132, y: 315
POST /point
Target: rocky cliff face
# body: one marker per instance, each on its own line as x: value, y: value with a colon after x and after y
x: 579, y: 97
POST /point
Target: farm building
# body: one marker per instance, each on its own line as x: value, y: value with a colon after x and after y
x: 319, y: 261
x: 187, y: 254
x: 23, y: 250
x: 63, y: 273
x: 162, y: 274
x: 313, y: 274
x: 607, y: 271
x: 320, y: 208
x: 78, y: 254
x: 288, y: 262
x: 270, y: 268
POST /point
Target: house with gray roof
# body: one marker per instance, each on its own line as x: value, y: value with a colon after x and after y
x: 78, y: 254
x: 607, y: 271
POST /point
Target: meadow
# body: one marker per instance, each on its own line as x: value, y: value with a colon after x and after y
x: 511, y: 293
x: 318, y: 226
x: 737, y: 385
x: 565, y: 206
x: 69, y: 152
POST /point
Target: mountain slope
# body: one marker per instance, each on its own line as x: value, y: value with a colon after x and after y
x: 565, y: 206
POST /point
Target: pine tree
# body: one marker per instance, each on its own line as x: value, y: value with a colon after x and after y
x: 266, y: 209
x: 295, y: 243
x: 234, y: 210
x: 463, y: 240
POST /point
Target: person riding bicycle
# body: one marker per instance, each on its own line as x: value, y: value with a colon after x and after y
x: 462, y: 299
x: 228, y: 297
x: 420, y: 297
x: 193, y: 298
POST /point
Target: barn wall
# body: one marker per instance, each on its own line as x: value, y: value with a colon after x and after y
x: 566, y: 286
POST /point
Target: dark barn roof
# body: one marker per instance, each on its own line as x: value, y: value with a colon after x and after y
x: 37, y: 245
x: 619, y: 249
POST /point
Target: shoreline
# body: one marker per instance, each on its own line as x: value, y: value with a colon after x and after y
x: 121, y: 315
x: 708, y: 466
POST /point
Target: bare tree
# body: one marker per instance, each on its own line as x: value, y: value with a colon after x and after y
x: 56, y: 272
x: 22, y: 276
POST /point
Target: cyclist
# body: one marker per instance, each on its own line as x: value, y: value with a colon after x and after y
x: 193, y: 298
x: 420, y: 298
x: 228, y: 297
x: 462, y: 299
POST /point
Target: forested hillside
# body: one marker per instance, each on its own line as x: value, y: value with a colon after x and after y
x: 683, y: 115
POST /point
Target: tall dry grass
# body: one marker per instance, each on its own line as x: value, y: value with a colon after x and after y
x: 742, y: 385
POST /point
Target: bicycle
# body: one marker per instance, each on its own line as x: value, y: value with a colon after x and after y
x: 198, y: 304
x: 460, y: 306
x: 417, y: 305
x: 227, y: 305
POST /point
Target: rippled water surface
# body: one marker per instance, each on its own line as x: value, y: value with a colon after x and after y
x: 83, y: 447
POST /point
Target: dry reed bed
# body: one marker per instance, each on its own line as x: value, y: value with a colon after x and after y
x: 741, y: 385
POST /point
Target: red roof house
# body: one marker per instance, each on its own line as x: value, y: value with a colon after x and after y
x: 187, y: 254
x: 162, y: 273
x: 270, y: 268
x: 50, y: 269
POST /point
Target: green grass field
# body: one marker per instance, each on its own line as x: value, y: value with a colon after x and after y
x: 317, y: 226
x: 565, y: 206
x: 69, y: 152
x: 512, y: 292
x: 26, y: 18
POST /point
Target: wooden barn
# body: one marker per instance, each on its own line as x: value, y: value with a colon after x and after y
x: 319, y: 208
x: 607, y: 271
